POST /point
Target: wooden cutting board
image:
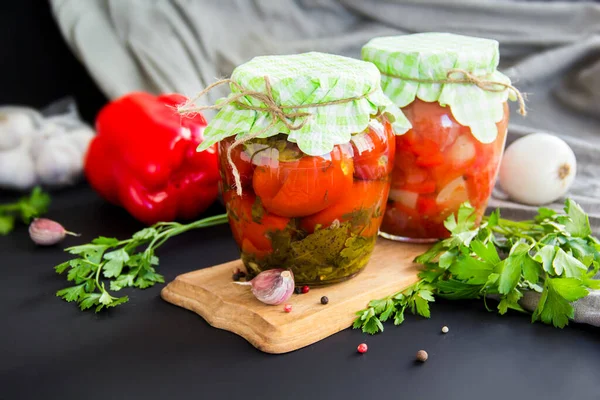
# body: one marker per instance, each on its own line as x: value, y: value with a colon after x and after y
x: 210, y: 293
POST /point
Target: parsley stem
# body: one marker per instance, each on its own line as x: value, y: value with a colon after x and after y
x: 161, y: 238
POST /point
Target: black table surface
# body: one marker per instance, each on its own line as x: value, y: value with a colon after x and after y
x: 151, y: 349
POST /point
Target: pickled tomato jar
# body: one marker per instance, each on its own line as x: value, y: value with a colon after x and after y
x: 456, y: 101
x: 308, y: 193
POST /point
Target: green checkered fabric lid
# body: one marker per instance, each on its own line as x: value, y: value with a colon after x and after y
x: 408, y: 62
x: 301, y: 86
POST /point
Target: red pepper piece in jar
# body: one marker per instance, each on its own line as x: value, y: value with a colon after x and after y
x: 303, y: 187
x: 251, y: 230
x: 144, y: 158
x: 241, y: 159
x: 374, y: 151
x: 369, y: 196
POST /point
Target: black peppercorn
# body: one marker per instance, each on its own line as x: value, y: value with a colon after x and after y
x: 236, y: 277
x: 298, y: 290
x: 324, y: 300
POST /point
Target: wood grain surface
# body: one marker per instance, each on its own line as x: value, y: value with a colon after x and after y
x: 210, y: 293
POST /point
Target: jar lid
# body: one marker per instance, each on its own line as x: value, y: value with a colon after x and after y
x: 318, y: 100
x: 441, y: 67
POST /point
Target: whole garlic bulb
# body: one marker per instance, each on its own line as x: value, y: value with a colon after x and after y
x: 36, y: 151
x: 15, y: 123
x: 537, y: 169
x: 17, y: 169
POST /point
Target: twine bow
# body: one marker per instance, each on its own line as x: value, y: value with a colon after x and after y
x: 470, y: 79
x: 277, y: 112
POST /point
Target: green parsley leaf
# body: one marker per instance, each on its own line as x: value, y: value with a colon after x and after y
x: 7, y: 224
x: 26, y: 208
x: 545, y: 256
x: 471, y: 270
x: 72, y: 293
x: 572, y: 267
x: 119, y: 263
x: 554, y: 306
x: 487, y: 252
x: 510, y: 301
x: 544, y: 214
x: 114, y: 265
x: 579, y: 224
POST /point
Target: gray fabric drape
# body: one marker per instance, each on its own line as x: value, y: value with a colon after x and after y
x: 551, y: 50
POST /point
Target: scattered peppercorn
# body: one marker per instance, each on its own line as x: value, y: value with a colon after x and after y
x: 236, y: 277
x: 445, y: 329
x: 324, y: 300
x: 287, y: 308
x: 422, y: 355
x: 305, y: 289
x: 297, y: 290
x: 362, y: 348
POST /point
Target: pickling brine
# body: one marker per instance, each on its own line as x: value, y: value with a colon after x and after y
x: 316, y: 215
x: 439, y: 165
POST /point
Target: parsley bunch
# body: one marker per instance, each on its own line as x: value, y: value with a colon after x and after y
x: 554, y: 255
x: 121, y: 263
x: 26, y: 208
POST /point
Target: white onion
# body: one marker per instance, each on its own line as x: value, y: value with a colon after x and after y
x: 537, y: 169
x: 404, y: 197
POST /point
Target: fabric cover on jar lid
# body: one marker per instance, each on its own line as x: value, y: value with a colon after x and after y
x: 319, y: 100
x: 421, y: 65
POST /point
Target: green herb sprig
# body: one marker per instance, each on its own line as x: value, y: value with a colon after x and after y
x: 25, y: 209
x: 553, y: 254
x: 121, y: 263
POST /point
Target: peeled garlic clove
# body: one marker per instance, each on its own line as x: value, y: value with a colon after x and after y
x: 46, y: 232
x: 273, y: 286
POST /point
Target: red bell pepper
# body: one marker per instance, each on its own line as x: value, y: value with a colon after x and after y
x: 144, y: 159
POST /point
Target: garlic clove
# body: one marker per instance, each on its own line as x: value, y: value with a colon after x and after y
x: 273, y: 286
x: 45, y: 232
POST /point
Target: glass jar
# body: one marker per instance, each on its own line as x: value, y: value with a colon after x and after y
x: 439, y: 165
x: 450, y: 90
x: 317, y: 215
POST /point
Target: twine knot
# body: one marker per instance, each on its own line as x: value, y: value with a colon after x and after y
x: 278, y: 113
x: 468, y: 78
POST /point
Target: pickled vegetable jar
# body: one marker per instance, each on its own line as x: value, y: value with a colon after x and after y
x: 306, y: 163
x: 456, y: 101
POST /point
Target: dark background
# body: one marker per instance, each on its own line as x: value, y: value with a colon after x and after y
x: 151, y: 349
x: 36, y: 65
